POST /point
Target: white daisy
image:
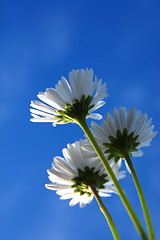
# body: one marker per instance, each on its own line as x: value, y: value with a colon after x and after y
x: 73, y: 175
x: 125, y: 131
x: 79, y: 97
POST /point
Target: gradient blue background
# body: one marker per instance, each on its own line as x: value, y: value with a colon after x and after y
x: 40, y: 41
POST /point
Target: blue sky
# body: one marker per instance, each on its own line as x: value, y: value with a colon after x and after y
x: 40, y: 42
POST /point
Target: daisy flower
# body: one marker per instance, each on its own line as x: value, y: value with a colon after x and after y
x: 124, y: 132
x: 69, y: 100
x: 74, y: 175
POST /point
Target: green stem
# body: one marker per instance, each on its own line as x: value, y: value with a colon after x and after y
x: 82, y: 123
x: 141, y: 197
x: 106, y: 214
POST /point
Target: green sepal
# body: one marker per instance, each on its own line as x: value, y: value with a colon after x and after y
x: 79, y: 109
x: 86, y: 178
x: 121, y: 145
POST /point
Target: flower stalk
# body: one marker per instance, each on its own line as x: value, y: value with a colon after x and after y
x: 82, y: 123
x: 106, y: 214
x: 121, y: 136
x: 141, y: 197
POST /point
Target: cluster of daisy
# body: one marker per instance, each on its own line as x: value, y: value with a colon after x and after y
x: 122, y: 133
x: 73, y: 175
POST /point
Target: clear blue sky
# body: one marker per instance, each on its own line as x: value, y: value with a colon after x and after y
x: 40, y: 41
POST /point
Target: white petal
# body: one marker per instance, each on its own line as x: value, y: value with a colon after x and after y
x: 40, y: 113
x: 42, y: 107
x: 36, y: 118
x: 64, y: 91
x: 95, y: 116
x: 74, y: 201
x: 56, y: 186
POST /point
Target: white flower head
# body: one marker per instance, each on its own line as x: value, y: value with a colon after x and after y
x: 124, y: 131
x: 69, y: 100
x: 73, y: 175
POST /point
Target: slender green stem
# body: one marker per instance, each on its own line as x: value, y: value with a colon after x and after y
x: 106, y: 214
x: 141, y: 197
x: 82, y: 123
